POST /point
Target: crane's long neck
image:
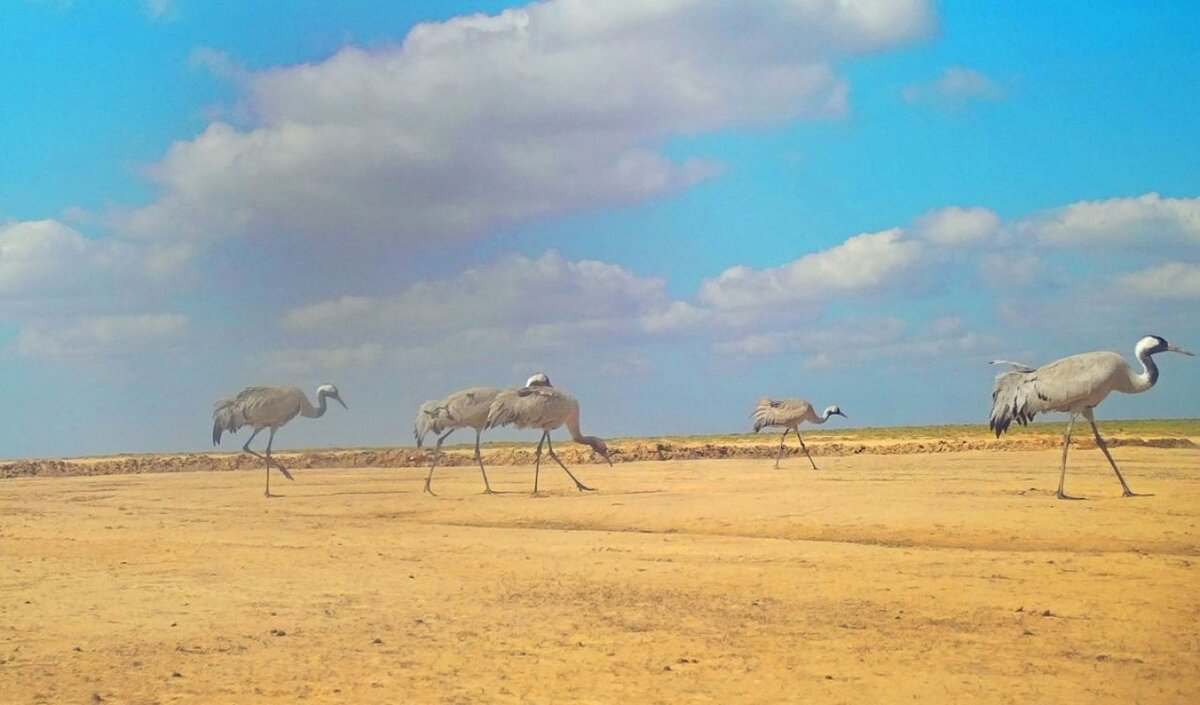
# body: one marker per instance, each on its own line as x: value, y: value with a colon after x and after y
x: 572, y: 423
x: 592, y: 442
x: 314, y: 412
x: 1149, y: 375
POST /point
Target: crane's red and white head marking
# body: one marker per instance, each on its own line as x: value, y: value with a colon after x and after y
x: 834, y: 411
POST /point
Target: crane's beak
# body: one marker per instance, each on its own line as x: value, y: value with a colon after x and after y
x: 1181, y: 351
x: 339, y: 400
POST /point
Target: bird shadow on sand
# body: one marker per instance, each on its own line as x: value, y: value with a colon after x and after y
x: 618, y: 493
x: 343, y: 493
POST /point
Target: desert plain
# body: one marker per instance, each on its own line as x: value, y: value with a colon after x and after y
x: 882, y: 577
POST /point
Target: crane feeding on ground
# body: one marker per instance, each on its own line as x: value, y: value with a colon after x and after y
x: 467, y: 408
x: 545, y: 407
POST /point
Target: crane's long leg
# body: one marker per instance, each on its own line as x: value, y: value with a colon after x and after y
x: 578, y: 485
x: 260, y: 456
x: 437, y: 452
x: 288, y: 475
x: 537, y: 460
x: 487, y: 485
x: 805, y: 449
x: 781, y: 440
x: 1066, y: 444
x: 1088, y: 414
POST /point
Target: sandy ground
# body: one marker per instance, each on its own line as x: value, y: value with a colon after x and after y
x: 877, y: 579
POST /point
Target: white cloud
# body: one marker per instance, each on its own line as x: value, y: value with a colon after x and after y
x: 956, y: 227
x: 677, y: 316
x: 1148, y: 220
x: 1170, y: 280
x: 219, y: 64
x: 159, y: 9
x: 297, y: 362
x: 45, y: 260
x: 485, y: 120
x: 543, y: 297
x: 854, y: 340
x: 956, y: 86
x: 862, y: 264
x: 102, y: 335
x: 1014, y: 270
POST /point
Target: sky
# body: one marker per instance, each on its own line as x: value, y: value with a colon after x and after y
x: 670, y: 207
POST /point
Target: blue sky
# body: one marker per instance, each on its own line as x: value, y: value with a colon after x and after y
x: 671, y: 208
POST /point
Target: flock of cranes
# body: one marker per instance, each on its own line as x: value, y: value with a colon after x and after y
x: 1074, y: 385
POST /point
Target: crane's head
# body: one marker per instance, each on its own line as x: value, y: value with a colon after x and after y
x: 538, y: 380
x: 834, y: 411
x: 328, y: 390
x: 1154, y: 344
x: 600, y: 447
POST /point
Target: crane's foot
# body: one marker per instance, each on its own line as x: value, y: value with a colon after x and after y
x: 490, y: 491
x: 429, y: 491
x: 1130, y: 493
x: 1062, y: 495
x: 268, y: 495
x: 584, y: 488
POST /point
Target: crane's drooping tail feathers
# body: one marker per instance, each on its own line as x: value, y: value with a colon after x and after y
x: 1011, y: 399
x: 764, y: 413
x: 428, y: 421
x: 224, y: 418
x: 502, y: 411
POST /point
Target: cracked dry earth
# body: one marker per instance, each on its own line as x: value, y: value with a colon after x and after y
x: 880, y: 579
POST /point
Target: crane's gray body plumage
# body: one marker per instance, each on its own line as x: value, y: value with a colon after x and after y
x: 547, y: 408
x: 789, y: 414
x: 467, y: 408
x: 267, y: 407
x: 1074, y: 385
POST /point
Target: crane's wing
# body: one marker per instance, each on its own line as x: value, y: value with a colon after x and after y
x: 1019, y: 367
x: 1058, y: 386
x: 469, y: 407
x: 531, y: 407
x: 778, y: 412
x: 257, y: 406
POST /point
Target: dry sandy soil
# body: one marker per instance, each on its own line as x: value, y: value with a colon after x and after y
x: 931, y: 577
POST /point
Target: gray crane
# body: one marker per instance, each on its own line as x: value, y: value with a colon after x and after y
x: 268, y: 407
x: 789, y: 414
x: 545, y: 407
x: 467, y: 408
x: 1075, y: 385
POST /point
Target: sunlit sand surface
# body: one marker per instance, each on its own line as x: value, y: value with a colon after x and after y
x: 947, y: 577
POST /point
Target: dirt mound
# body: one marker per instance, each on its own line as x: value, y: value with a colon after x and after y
x: 623, y: 451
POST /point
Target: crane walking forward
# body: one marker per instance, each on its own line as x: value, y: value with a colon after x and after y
x: 268, y: 407
x: 467, y: 408
x: 1075, y: 385
x: 545, y: 407
x: 789, y: 414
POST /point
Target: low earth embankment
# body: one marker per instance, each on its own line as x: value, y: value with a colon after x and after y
x: 831, y: 443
